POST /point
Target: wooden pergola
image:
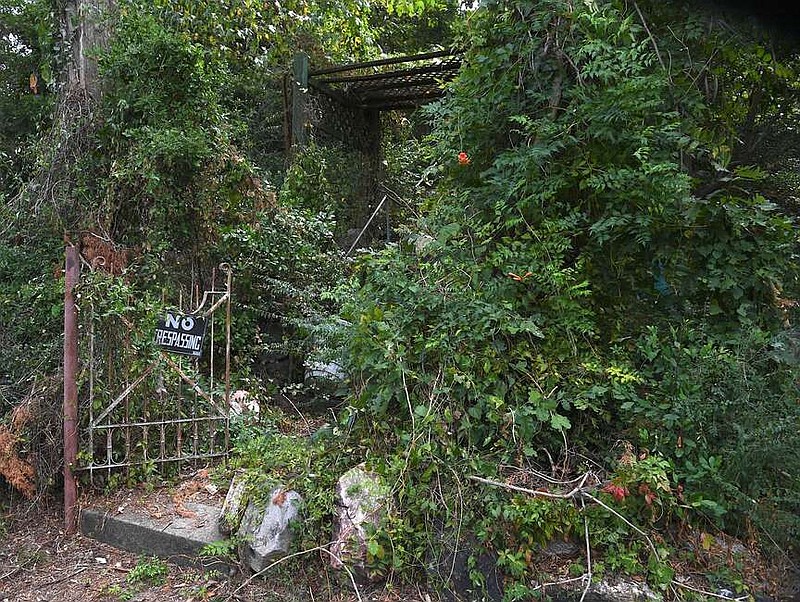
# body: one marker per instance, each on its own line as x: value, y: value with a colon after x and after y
x: 344, y: 103
x: 398, y: 83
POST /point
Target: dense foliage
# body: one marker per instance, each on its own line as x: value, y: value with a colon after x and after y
x: 595, y: 281
x: 605, y: 262
x: 26, y: 85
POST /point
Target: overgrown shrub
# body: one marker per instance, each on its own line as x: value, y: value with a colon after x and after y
x: 584, y: 276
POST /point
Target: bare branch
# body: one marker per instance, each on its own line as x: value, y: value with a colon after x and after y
x: 623, y: 519
x: 546, y: 494
x: 653, y: 41
x: 588, y: 559
x: 705, y: 593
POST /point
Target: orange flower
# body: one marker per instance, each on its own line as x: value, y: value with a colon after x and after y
x: 463, y: 158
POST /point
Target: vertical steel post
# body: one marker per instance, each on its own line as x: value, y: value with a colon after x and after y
x: 72, y: 274
x: 211, y: 347
x: 228, y: 292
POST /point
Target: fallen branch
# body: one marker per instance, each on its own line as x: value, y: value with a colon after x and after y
x: 580, y: 493
x: 16, y: 570
x: 534, y: 492
x: 70, y: 576
x: 562, y: 582
x: 705, y: 593
x: 541, y: 475
x: 577, y: 493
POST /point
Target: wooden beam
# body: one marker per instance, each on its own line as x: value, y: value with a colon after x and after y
x: 380, y: 62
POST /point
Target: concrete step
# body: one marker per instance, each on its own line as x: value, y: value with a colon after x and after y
x: 174, y: 538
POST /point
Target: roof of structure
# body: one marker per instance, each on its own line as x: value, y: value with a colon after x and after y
x: 397, y: 83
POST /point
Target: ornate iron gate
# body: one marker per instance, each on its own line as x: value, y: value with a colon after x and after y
x: 143, y: 408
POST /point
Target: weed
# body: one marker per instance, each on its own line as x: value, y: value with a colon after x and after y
x: 151, y: 571
x: 118, y: 592
x: 223, y: 549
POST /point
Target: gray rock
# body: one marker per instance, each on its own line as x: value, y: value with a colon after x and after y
x: 617, y: 590
x: 234, y: 505
x: 325, y: 371
x: 421, y: 241
x: 562, y: 549
x: 267, y: 533
x: 736, y: 548
x: 622, y: 591
x: 362, y: 502
x: 323, y: 433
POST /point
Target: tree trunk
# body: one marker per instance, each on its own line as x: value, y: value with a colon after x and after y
x: 85, y: 30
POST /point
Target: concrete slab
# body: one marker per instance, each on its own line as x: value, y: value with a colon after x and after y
x: 174, y: 538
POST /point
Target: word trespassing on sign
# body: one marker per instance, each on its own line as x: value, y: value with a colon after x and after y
x: 170, y: 338
x: 181, y: 334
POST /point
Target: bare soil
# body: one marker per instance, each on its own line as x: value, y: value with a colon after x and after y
x: 40, y: 563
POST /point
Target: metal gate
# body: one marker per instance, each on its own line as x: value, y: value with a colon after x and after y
x: 142, y: 407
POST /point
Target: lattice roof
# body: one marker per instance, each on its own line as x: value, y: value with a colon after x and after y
x: 397, y: 83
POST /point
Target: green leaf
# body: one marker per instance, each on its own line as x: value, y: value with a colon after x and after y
x: 559, y: 422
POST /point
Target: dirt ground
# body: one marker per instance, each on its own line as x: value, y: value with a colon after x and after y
x: 40, y: 563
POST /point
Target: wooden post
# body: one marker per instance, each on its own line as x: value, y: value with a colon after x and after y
x: 72, y: 273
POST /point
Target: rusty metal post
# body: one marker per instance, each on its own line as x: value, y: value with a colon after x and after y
x: 72, y: 273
